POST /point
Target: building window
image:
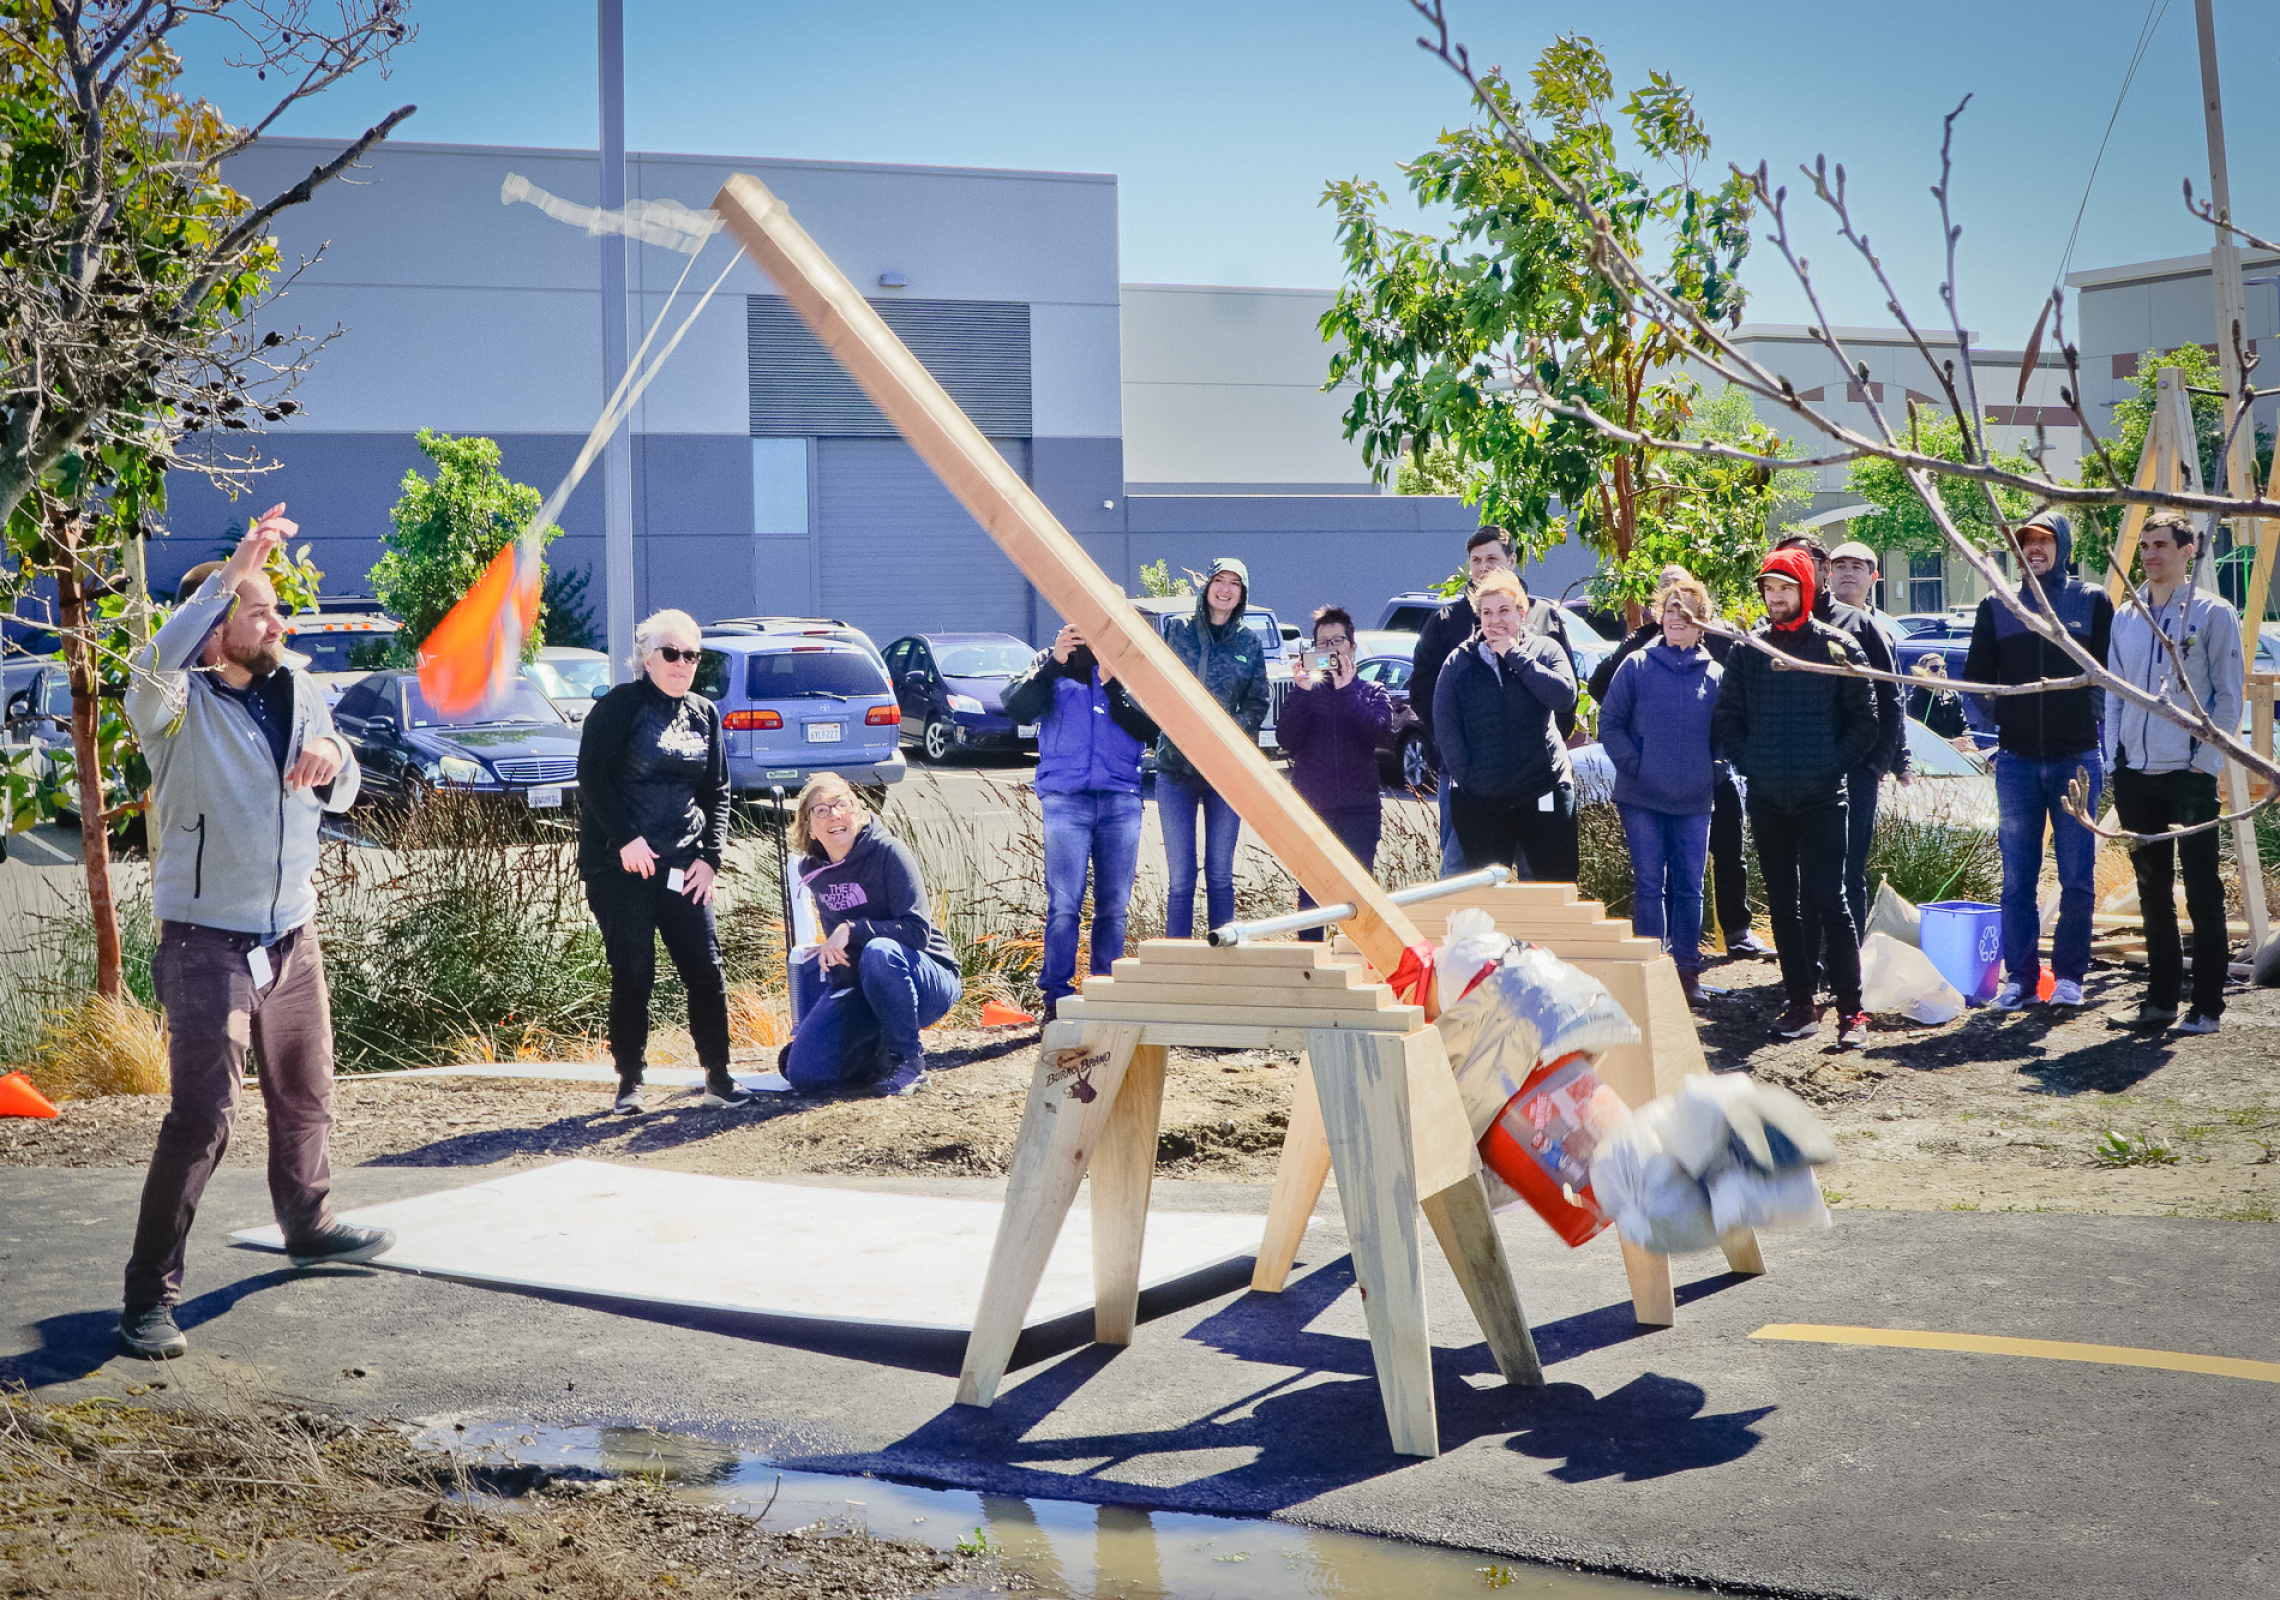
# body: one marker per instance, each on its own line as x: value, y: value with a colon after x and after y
x: 1927, y: 583
x: 779, y: 488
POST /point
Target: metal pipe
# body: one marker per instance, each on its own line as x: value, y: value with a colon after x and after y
x: 1234, y: 933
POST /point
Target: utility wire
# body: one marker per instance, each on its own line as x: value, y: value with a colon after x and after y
x: 2155, y: 10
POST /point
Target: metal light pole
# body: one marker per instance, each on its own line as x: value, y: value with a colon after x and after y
x: 617, y: 455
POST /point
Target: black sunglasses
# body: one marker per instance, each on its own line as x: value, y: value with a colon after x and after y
x: 672, y: 652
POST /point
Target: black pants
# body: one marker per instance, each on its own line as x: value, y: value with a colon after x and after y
x: 1522, y: 832
x: 2149, y: 803
x: 1359, y: 832
x: 1860, y: 832
x: 1802, y: 853
x: 1729, y: 863
x: 634, y: 913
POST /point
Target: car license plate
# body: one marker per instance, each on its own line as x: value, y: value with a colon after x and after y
x: 542, y: 799
x: 826, y: 732
x: 1028, y: 730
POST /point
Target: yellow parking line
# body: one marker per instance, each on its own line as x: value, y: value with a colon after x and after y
x: 2118, y: 1355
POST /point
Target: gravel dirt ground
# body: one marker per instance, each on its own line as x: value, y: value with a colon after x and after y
x: 2032, y: 1111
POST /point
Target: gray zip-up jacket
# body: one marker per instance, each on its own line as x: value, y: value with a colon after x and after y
x: 2207, y: 633
x: 236, y: 848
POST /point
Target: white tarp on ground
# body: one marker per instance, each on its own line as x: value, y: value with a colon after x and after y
x: 774, y: 1249
x: 769, y: 1082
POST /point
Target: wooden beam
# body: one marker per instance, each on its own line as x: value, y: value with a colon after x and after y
x: 2168, y: 395
x: 1009, y: 510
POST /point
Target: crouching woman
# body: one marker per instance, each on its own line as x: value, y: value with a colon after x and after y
x: 889, y: 970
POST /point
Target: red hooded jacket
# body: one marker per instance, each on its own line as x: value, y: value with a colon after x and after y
x: 1796, y: 565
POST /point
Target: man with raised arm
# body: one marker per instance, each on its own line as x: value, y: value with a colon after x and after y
x: 244, y: 762
x: 2188, y: 654
x: 2044, y: 740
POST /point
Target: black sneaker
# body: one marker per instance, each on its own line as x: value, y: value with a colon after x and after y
x: 150, y: 1333
x: 904, y: 1076
x: 2151, y: 1018
x: 629, y: 1101
x: 723, y: 1091
x: 1749, y: 944
x: 342, y: 1245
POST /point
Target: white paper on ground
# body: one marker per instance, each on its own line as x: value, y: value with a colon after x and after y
x: 775, y: 1249
x: 591, y: 1072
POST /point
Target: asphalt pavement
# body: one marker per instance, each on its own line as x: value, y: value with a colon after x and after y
x: 1696, y: 1452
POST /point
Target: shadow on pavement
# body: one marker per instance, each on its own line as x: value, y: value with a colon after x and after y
x: 1649, y: 1428
x: 74, y: 1344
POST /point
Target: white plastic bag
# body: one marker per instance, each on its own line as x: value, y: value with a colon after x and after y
x: 1722, y: 1152
x: 1470, y: 944
x: 1652, y: 1200
x: 1741, y: 1198
x: 1893, y: 914
x: 1899, y: 977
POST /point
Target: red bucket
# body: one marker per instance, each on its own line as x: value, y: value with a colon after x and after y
x: 1541, y: 1143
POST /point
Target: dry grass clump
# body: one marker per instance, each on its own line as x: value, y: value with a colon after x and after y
x: 100, y: 1046
x: 137, y: 1503
x: 757, y: 1019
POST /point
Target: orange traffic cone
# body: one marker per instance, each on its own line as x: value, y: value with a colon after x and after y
x: 997, y: 1016
x: 2046, y: 984
x: 18, y: 1098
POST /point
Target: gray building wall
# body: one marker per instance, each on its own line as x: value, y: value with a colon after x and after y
x: 2125, y: 313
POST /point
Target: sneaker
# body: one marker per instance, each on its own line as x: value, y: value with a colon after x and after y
x: 2010, y: 997
x: 1749, y: 944
x: 629, y: 1101
x: 2066, y: 992
x: 342, y: 1245
x: 2151, y: 1018
x: 150, y: 1333
x: 723, y: 1091
x: 903, y: 1077
x: 1799, y: 1022
x: 1690, y: 985
x: 2199, y: 1022
x: 1855, y: 1035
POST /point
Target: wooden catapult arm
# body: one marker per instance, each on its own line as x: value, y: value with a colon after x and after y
x: 947, y: 441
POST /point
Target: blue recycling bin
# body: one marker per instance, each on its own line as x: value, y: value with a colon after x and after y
x: 1964, y: 939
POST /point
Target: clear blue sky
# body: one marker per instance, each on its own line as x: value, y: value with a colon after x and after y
x: 1223, y: 121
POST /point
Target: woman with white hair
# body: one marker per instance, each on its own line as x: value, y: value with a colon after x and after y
x: 652, y: 817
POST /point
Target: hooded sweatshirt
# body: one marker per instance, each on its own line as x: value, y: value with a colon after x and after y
x: 1090, y: 735
x: 2059, y: 722
x: 1655, y: 727
x: 877, y: 891
x: 1794, y: 735
x: 1228, y: 660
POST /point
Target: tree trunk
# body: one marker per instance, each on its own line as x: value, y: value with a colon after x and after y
x: 86, y: 713
x: 1626, y: 522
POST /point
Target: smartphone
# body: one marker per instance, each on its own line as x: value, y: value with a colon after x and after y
x: 1322, y: 661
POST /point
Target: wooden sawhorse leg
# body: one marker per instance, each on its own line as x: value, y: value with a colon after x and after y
x: 1071, y: 1101
x: 1399, y: 1140
x: 1123, y: 1167
x: 1305, y: 1162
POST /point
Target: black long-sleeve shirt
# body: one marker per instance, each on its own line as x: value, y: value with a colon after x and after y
x: 651, y: 767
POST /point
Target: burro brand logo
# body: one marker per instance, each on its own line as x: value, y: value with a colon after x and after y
x: 1075, y: 1067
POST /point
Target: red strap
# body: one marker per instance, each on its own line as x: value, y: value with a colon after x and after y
x: 1408, y: 979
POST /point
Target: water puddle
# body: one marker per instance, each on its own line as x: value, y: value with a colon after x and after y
x: 1072, y: 1550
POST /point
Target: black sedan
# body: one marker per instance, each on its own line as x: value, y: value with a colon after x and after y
x: 524, y: 749
x: 1405, y: 759
x: 951, y: 688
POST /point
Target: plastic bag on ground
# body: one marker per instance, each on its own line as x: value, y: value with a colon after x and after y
x: 1897, y: 977
x: 1893, y: 914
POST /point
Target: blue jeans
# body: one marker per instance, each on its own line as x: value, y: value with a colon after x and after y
x: 1176, y: 806
x: 2026, y: 793
x: 857, y: 1030
x: 1452, y: 853
x: 1099, y: 829
x: 1359, y: 832
x: 1668, y: 852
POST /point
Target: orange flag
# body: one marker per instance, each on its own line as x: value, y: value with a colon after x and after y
x: 475, y: 653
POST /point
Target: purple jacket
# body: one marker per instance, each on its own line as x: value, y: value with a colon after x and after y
x: 1333, y: 737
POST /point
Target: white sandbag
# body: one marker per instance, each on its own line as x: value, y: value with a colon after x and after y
x: 1896, y: 977
x: 1893, y: 914
x: 1470, y: 944
x: 1741, y: 1198
x: 1652, y: 1200
x: 1533, y: 1007
x: 1694, y: 1126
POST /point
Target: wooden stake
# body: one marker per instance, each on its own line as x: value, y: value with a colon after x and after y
x: 1009, y: 510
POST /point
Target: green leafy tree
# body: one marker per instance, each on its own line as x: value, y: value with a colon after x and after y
x: 443, y: 531
x: 1157, y: 582
x: 1435, y: 470
x: 2133, y: 418
x: 1711, y: 516
x: 1901, y: 520
x: 1434, y: 331
x: 567, y: 611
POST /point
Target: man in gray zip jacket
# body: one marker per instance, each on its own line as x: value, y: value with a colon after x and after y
x: 243, y: 761
x: 2164, y: 776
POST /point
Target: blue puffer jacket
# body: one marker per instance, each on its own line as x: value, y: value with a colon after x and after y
x: 1088, y: 737
x: 1655, y: 727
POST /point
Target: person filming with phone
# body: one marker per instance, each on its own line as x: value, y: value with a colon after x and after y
x: 1333, y: 725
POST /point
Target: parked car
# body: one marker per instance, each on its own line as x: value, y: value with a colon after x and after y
x: 1409, y: 611
x: 524, y: 750
x: 950, y: 687
x: 795, y: 703
x: 802, y: 628
x: 1165, y: 610
x: 1942, y: 634
x: 570, y: 677
x: 35, y: 717
x: 338, y: 643
x: 1383, y: 657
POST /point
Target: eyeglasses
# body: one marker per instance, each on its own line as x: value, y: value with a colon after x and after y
x: 832, y: 808
x: 676, y: 654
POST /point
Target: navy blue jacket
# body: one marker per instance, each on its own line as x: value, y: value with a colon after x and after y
x: 2059, y: 722
x: 1333, y: 737
x: 1495, y: 723
x: 1088, y: 737
x: 878, y: 893
x: 1655, y: 727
